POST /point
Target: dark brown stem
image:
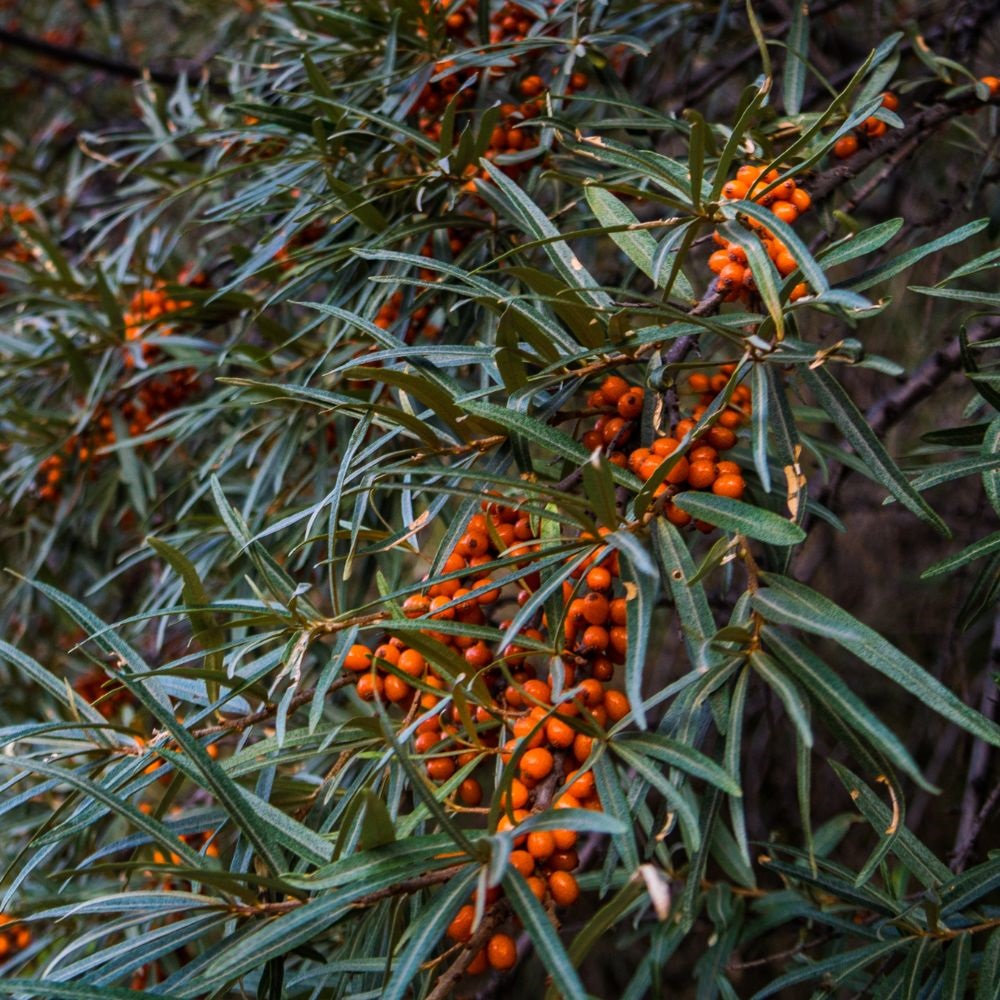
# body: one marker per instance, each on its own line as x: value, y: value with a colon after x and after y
x: 113, y: 67
x: 918, y: 126
x: 267, y: 711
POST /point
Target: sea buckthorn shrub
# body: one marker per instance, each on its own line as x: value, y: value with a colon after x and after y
x: 499, y: 497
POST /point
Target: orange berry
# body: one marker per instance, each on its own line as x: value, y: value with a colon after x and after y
x: 518, y: 797
x: 396, y: 689
x: 440, y: 768
x: 748, y: 174
x: 718, y: 261
x: 734, y: 190
x: 992, y: 83
x: 564, y: 888
x: 537, y: 763
x: 599, y: 578
x: 890, y: 100
x: 565, y: 839
x: 501, y: 952
x: 582, y: 746
x: 721, y: 438
x: 800, y: 199
x: 412, y: 663
x: 595, y: 639
x: 563, y: 861
x: 370, y: 687
x: 358, y: 658
x: 478, y: 964
x: 613, y: 388
x: 729, y: 486
x: 580, y: 786
x: 800, y: 291
x: 630, y: 405
x: 785, y: 211
x: 559, y: 734
x: 617, y: 705
x: 701, y: 475
x: 523, y: 862
x: 531, y: 86
x: 470, y: 792
x: 541, y: 845
x: 845, y: 147
x: 460, y: 928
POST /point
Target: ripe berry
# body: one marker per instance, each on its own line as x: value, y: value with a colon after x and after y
x: 992, y: 83
x: 358, y: 658
x: 460, y: 928
x: 729, y: 486
x: 564, y: 888
x: 440, y: 768
x: 559, y: 734
x: 701, y: 475
x: 845, y: 147
x: 537, y: 763
x: 370, y: 687
x: 523, y: 862
x: 501, y: 952
x: 470, y: 792
x: 541, y: 845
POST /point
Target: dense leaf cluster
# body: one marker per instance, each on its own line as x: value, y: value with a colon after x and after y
x: 369, y: 630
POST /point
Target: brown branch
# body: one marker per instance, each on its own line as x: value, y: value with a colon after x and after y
x: 918, y: 126
x: 414, y: 884
x: 94, y: 60
x: 891, y: 408
x: 450, y: 977
x: 974, y: 814
x: 268, y: 711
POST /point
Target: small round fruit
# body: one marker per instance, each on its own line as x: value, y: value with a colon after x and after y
x: 460, y: 929
x: 501, y: 952
x: 564, y: 888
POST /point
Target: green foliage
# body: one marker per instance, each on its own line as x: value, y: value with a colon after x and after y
x: 280, y: 337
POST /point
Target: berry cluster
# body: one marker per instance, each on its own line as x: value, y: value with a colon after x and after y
x: 539, y: 726
x: 787, y: 201
x: 12, y: 939
x: 156, y: 395
x: 93, y: 688
x: 700, y: 467
x: 871, y: 128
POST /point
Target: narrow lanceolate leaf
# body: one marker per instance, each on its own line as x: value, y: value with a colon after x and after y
x: 991, y: 477
x: 905, y: 260
x: 543, y: 936
x: 852, y: 424
x: 784, y: 687
x: 833, y: 696
x: 697, y: 623
x: 540, y: 433
x: 611, y: 789
x: 641, y: 589
x: 988, y: 976
x: 790, y: 603
x: 740, y: 518
x: 685, y: 758
x: 638, y: 245
x: 796, y: 57
x: 71, y: 991
x: 956, y: 968
x: 427, y: 930
x: 837, y: 966
x: 977, y: 550
x: 920, y: 860
x: 538, y: 224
